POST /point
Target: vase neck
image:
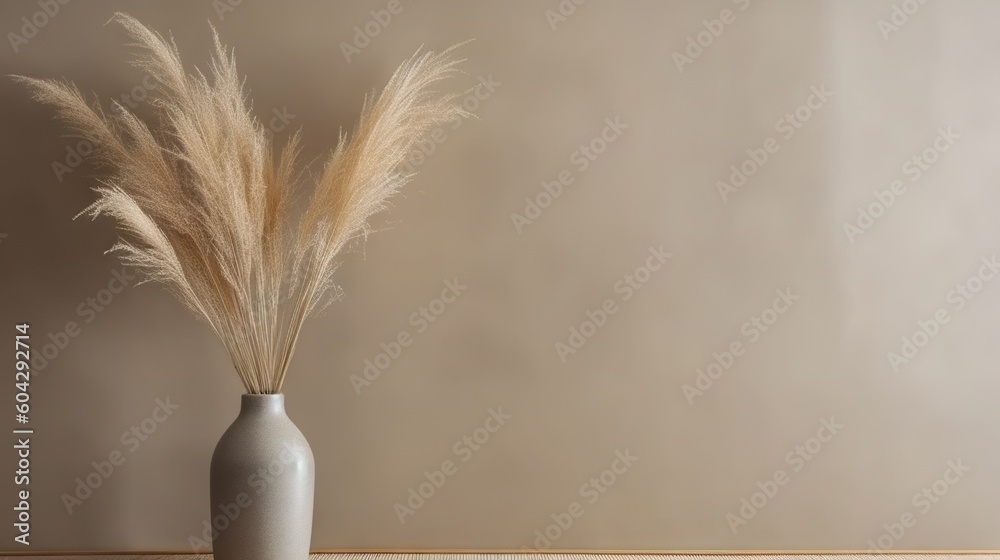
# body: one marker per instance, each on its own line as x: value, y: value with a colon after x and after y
x: 263, y: 404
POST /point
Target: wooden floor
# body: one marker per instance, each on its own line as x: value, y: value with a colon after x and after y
x: 560, y: 556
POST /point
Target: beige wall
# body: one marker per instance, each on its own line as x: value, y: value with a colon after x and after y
x: 495, y: 346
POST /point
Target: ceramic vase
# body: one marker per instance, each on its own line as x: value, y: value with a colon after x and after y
x: 262, y: 483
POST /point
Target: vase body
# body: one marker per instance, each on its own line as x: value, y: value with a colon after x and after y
x: 262, y: 483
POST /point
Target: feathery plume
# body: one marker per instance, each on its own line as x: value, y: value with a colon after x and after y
x: 203, y: 200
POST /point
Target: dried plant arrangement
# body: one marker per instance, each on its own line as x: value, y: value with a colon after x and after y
x: 203, y: 200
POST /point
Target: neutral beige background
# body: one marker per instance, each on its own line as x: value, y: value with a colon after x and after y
x: 495, y: 346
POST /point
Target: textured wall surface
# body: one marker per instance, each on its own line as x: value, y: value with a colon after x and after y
x: 813, y: 366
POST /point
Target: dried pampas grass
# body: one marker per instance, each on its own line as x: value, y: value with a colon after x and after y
x: 203, y: 200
